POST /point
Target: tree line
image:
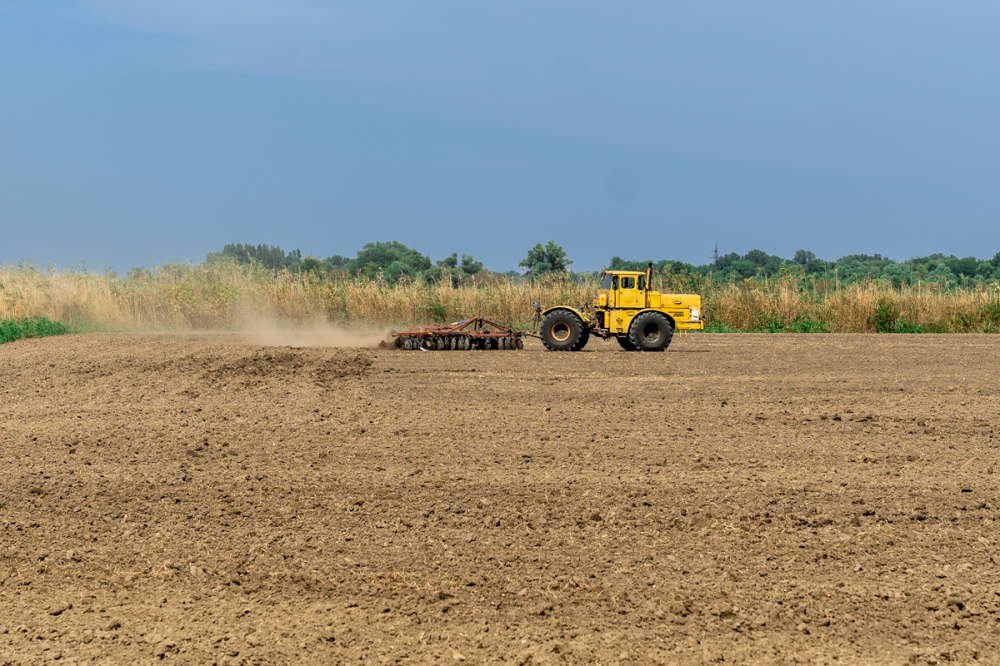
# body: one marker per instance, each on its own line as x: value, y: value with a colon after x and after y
x: 395, y: 262
x: 392, y: 260
x: 947, y: 270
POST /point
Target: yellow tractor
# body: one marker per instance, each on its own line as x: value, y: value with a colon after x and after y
x: 625, y: 309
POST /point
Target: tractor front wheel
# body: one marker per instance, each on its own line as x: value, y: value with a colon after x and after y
x: 650, y: 331
x: 561, y: 330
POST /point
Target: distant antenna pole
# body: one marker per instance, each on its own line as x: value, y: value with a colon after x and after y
x: 715, y: 255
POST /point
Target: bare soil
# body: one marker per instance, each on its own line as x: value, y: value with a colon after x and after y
x: 741, y: 498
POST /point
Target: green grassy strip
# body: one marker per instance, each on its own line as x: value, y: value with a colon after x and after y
x: 808, y: 325
x: 11, y: 329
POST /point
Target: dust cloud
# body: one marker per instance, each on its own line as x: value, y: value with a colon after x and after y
x: 271, y: 333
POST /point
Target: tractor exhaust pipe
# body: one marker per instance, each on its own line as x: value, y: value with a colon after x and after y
x: 649, y: 275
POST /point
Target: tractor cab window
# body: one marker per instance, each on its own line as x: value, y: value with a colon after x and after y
x: 614, y: 283
x: 628, y: 282
x: 642, y: 282
x: 606, y: 282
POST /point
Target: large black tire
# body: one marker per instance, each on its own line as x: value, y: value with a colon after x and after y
x: 561, y: 330
x: 625, y: 343
x: 650, y: 331
x: 584, y: 339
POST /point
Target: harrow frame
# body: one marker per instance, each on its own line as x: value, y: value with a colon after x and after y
x: 475, y: 333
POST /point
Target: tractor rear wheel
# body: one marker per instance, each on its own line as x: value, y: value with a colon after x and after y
x: 561, y: 330
x: 625, y: 343
x: 650, y: 331
x: 584, y: 339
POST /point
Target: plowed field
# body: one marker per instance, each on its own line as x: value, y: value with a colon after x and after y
x: 740, y: 498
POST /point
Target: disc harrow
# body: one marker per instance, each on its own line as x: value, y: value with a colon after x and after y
x: 476, y: 333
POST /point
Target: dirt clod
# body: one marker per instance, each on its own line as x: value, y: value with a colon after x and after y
x: 58, y: 608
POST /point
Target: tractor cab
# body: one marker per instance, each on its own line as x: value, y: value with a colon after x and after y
x: 623, y: 290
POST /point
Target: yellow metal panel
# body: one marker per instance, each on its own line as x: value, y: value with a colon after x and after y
x: 625, y: 300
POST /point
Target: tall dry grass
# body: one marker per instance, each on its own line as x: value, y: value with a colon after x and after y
x: 793, y: 304
x: 229, y: 295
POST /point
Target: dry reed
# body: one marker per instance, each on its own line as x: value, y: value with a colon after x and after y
x: 228, y: 295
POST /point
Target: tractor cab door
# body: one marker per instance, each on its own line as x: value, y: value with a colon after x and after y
x: 629, y: 296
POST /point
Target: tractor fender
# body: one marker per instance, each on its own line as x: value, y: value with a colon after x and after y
x: 584, y: 318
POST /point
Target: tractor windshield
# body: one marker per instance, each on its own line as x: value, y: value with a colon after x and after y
x: 606, y: 282
x: 642, y: 282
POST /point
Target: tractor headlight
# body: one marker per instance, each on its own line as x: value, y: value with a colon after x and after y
x: 695, y: 315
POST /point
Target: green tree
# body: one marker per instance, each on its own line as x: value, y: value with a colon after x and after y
x: 860, y: 259
x: 311, y: 265
x: 546, y: 258
x: 894, y: 273
x: 817, y: 266
x: 435, y: 274
x: 335, y: 262
x: 470, y: 266
x: 965, y: 266
x: 727, y: 260
x: 667, y: 266
x: 449, y: 261
x: 270, y: 256
x: 745, y: 269
x: 393, y: 260
x: 803, y: 257
x: 941, y: 273
x: 619, y: 264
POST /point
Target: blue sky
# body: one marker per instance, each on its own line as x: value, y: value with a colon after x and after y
x: 137, y: 133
